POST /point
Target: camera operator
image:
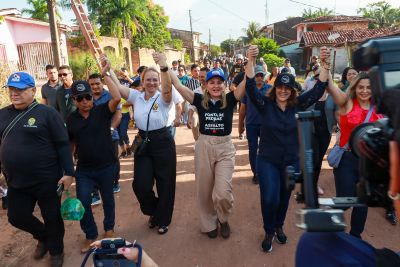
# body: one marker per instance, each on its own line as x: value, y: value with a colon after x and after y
x: 132, y: 254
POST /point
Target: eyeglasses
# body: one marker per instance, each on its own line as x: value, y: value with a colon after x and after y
x: 79, y: 98
x: 63, y: 74
x: 260, y: 75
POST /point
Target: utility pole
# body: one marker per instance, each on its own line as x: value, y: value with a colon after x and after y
x: 209, y: 42
x: 266, y: 12
x: 192, y: 37
x: 55, y: 39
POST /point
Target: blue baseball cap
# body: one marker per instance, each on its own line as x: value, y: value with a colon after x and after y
x: 215, y: 73
x: 20, y: 80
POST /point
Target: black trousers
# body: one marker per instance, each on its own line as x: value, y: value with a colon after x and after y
x: 118, y: 168
x: 321, y: 140
x: 157, y: 164
x: 20, y: 208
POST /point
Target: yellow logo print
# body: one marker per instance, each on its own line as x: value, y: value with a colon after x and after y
x: 31, y: 121
x: 155, y: 107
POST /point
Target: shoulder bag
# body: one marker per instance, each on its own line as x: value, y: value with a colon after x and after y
x: 139, y: 144
x: 335, y: 155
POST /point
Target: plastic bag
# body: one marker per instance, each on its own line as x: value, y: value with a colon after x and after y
x: 72, y: 209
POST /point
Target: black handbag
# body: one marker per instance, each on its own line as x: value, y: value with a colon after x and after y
x: 139, y: 144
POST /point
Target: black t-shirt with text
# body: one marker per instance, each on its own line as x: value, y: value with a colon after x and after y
x: 92, y: 137
x: 214, y: 120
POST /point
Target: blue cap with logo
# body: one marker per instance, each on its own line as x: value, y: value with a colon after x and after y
x: 215, y: 73
x: 20, y: 80
x: 81, y: 88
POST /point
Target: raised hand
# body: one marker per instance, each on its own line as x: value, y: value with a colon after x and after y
x: 252, y: 53
x: 325, y: 57
x: 105, y: 64
x: 160, y: 59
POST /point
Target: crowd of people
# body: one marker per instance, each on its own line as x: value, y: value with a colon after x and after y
x: 83, y: 124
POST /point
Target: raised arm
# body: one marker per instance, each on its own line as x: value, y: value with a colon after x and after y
x: 252, y: 53
x: 113, y: 89
x: 111, y: 79
x: 166, y: 86
x: 185, y: 92
x: 256, y: 98
x: 339, y: 97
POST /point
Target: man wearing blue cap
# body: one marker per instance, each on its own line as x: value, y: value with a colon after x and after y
x: 89, y: 128
x: 32, y: 176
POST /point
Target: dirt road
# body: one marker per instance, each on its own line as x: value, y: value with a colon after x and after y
x: 184, y: 245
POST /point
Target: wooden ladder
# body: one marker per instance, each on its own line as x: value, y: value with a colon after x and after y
x: 87, y: 30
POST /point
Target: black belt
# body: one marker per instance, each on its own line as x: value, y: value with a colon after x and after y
x: 154, y: 132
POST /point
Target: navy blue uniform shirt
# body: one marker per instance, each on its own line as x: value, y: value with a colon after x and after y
x: 279, y: 140
x: 252, y: 115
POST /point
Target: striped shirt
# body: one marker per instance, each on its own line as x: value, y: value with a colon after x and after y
x: 192, y: 84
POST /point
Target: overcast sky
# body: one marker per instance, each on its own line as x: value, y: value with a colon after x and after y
x: 227, y: 18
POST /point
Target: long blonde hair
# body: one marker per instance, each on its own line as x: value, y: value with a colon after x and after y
x: 207, y: 97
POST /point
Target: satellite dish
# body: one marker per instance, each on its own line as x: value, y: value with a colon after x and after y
x: 333, y: 36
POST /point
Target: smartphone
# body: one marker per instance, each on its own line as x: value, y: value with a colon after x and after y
x: 111, y: 260
x: 60, y: 189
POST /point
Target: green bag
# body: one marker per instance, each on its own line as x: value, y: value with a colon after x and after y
x: 72, y: 209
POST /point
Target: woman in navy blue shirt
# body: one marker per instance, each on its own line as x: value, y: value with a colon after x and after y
x: 278, y: 143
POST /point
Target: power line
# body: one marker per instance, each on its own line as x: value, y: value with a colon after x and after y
x: 304, y: 4
x: 230, y: 12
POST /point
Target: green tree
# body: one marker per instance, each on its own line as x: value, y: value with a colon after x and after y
x: 176, y: 44
x: 38, y: 10
x: 118, y: 18
x: 228, y: 45
x: 382, y: 13
x: 252, y: 32
x: 321, y: 12
x: 273, y: 60
x: 156, y: 34
x: 266, y: 46
x: 215, y: 50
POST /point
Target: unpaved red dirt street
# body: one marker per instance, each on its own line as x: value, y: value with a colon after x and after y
x: 184, y: 245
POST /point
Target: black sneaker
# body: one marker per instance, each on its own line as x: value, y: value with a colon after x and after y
x: 225, y: 230
x: 57, y: 260
x: 123, y: 154
x: 162, y: 229
x: 391, y: 217
x: 281, y: 238
x: 213, y: 233
x: 4, y: 203
x: 267, y: 242
x: 255, y: 179
x: 151, y: 223
x: 40, y: 250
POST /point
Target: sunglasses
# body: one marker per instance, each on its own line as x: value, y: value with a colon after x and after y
x: 260, y: 75
x: 79, y: 98
x: 63, y: 74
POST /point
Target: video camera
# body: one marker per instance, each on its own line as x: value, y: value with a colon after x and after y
x: 107, y: 256
x: 369, y: 142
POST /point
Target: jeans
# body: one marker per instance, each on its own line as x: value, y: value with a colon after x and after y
x: 21, y: 204
x: 346, y: 179
x: 85, y: 182
x: 274, y: 195
x: 253, y: 138
x: 123, y: 129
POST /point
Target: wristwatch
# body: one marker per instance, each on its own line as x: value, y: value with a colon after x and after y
x: 164, y: 69
x: 107, y: 73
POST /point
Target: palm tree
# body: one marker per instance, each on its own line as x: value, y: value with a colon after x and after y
x: 39, y: 10
x: 321, y: 12
x: 119, y: 17
x: 252, y: 32
x: 383, y: 14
